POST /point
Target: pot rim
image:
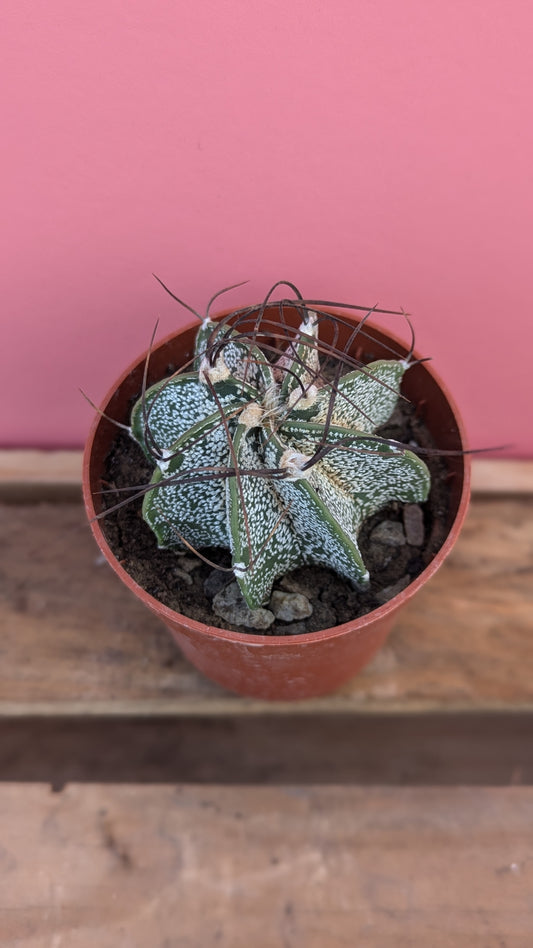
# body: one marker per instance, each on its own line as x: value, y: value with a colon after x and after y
x: 170, y: 616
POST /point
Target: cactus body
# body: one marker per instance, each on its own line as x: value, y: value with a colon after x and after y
x: 264, y: 456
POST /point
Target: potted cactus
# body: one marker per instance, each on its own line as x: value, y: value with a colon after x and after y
x: 263, y: 429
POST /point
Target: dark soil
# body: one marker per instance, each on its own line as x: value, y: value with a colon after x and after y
x: 187, y: 584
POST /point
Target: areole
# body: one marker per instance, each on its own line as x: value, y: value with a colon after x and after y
x: 283, y: 667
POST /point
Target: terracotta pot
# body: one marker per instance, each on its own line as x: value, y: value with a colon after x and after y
x: 284, y: 667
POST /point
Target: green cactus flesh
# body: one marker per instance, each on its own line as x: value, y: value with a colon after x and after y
x: 269, y: 459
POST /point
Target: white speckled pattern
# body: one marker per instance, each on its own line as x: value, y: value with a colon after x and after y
x: 281, y: 510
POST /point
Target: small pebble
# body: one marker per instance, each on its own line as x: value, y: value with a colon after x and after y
x: 229, y: 605
x: 290, y: 606
x: 389, y: 533
x: 217, y: 579
x: 413, y: 522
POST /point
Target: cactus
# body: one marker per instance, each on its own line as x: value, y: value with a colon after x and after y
x: 258, y: 450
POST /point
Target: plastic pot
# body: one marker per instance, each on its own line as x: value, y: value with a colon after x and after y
x: 284, y: 667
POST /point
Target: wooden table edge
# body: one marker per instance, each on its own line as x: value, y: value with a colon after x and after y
x: 235, y: 706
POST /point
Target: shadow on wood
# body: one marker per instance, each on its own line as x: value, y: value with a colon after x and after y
x: 494, y: 750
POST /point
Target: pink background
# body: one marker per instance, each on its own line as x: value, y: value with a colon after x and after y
x: 373, y: 150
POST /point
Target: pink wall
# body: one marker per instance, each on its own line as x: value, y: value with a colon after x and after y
x: 371, y: 149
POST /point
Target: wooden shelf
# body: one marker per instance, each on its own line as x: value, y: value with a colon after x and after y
x: 267, y: 867
x: 186, y: 815
x: 76, y: 642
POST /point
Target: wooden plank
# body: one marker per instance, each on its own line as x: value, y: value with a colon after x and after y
x: 74, y: 641
x: 280, y: 749
x: 293, y: 867
x: 41, y: 475
x: 25, y: 473
x: 502, y: 476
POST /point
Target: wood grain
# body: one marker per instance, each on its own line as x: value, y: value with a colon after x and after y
x: 293, y: 867
x: 74, y: 641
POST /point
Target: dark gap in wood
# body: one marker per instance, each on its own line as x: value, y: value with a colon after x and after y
x: 407, y: 750
x: 20, y: 493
